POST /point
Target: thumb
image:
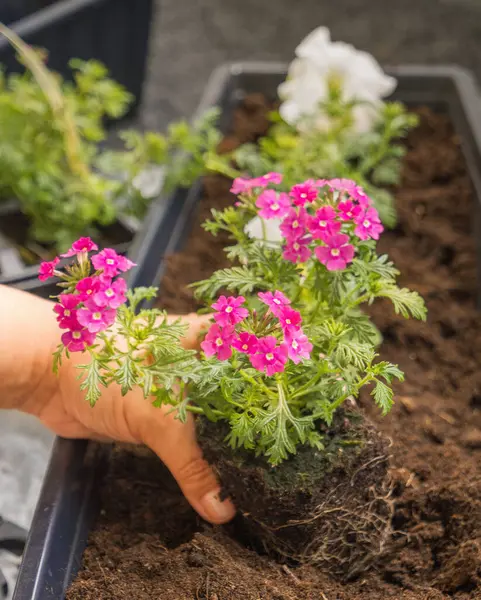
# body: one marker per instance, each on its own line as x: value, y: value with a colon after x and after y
x: 175, y: 444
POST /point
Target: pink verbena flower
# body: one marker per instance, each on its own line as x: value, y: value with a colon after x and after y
x: 272, y: 177
x: 290, y: 320
x: 273, y: 205
x: 270, y: 357
x: 229, y: 310
x: 87, y: 288
x: 111, y: 263
x: 112, y: 295
x: 84, y: 244
x: 218, y: 342
x: 96, y: 318
x: 47, y: 269
x: 298, y: 346
x: 302, y: 193
x: 348, y: 187
x: 240, y: 185
x: 77, y: 338
x: 66, y: 310
x: 348, y: 211
x: 297, y: 251
x: 246, y: 343
x: 368, y: 224
x: 337, y: 252
x: 294, y: 224
x: 324, y: 222
x: 275, y: 301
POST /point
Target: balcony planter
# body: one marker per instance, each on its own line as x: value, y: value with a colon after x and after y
x: 70, y: 499
x: 116, y: 32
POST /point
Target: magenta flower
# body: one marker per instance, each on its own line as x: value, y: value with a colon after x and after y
x: 348, y: 211
x: 324, y: 223
x: 368, y: 225
x: 240, y: 185
x: 218, y: 342
x: 275, y: 301
x: 294, y: 225
x: 272, y: 177
x: 229, y: 310
x: 246, y: 343
x: 337, y: 252
x: 111, y: 263
x: 351, y: 189
x: 96, y: 318
x: 298, y: 346
x: 270, y: 357
x: 112, y: 295
x: 273, y: 205
x: 77, y: 338
x: 47, y: 269
x: 66, y: 310
x: 297, y: 251
x: 290, y: 320
x: 302, y: 193
x: 84, y: 244
x: 87, y: 288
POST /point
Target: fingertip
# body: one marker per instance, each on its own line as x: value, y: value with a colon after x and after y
x: 215, y: 510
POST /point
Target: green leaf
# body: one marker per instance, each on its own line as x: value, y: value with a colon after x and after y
x: 93, y: 379
x: 406, y: 302
x: 383, y: 397
x: 127, y: 373
x: 238, y: 279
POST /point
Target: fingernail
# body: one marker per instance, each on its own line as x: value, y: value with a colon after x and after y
x: 216, y: 510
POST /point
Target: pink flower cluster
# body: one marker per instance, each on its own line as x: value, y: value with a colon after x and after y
x: 313, y: 223
x: 267, y: 354
x: 92, y: 307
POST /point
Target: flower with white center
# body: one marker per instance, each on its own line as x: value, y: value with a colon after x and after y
x: 320, y: 63
x: 267, y: 230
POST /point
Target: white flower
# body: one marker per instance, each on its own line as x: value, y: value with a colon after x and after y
x: 267, y: 230
x: 150, y: 181
x: 319, y: 61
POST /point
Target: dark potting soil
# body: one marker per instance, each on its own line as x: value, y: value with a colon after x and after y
x: 149, y: 544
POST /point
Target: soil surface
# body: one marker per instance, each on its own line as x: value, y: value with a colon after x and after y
x: 149, y: 544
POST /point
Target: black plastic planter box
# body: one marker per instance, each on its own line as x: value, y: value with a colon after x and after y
x: 115, y: 32
x: 69, y: 500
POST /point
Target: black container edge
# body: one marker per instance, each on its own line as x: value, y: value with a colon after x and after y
x: 71, y: 486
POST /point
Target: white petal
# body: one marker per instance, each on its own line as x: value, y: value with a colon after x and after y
x: 314, y: 44
x: 255, y: 229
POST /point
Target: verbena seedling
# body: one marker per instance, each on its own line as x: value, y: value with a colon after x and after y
x: 285, y: 352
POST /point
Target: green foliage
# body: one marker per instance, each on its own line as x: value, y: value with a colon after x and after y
x: 51, y: 161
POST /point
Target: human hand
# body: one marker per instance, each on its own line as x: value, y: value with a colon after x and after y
x: 59, y: 403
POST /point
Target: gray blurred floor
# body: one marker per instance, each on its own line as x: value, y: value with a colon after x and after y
x: 191, y: 37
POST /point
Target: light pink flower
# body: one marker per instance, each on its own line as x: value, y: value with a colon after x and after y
x: 46, y: 270
x: 66, y: 310
x: 294, y: 224
x: 229, y: 310
x: 275, y: 301
x: 348, y: 211
x: 348, y: 187
x: 87, y: 288
x: 246, y: 343
x: 298, y: 346
x: 269, y: 357
x: 272, y: 177
x: 302, y: 193
x: 273, y: 205
x: 84, y: 244
x: 77, y: 338
x: 290, y: 320
x: 218, y: 342
x: 368, y: 224
x: 112, y: 295
x: 111, y: 263
x: 324, y: 223
x: 297, y: 251
x: 337, y: 252
x: 96, y: 318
